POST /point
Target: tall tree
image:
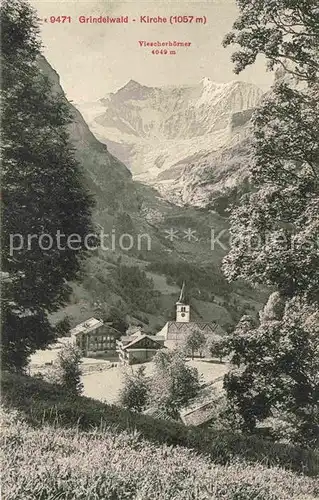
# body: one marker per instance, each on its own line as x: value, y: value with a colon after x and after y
x: 43, y: 198
x: 173, y: 383
x: 275, y: 230
x: 286, y: 32
x: 195, y: 341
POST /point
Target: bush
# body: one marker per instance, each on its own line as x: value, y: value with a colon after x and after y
x: 173, y: 384
x: 276, y: 366
x: 135, y: 392
x: 67, y: 370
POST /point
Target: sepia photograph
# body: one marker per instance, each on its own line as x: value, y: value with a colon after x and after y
x: 160, y: 249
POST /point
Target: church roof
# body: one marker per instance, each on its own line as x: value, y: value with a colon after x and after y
x: 173, y: 330
x: 187, y: 325
x: 181, y: 299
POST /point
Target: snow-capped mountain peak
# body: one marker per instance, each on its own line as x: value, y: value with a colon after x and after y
x: 159, y: 131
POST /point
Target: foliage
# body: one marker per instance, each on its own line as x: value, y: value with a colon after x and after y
x: 42, y: 191
x: 135, y: 391
x: 63, y: 327
x: 285, y: 31
x: 277, y: 370
x: 275, y: 230
x: 67, y: 370
x: 195, y: 341
x: 218, y: 347
x: 173, y: 384
x: 274, y: 233
x: 136, y: 288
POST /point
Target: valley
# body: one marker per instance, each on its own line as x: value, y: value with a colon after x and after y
x: 180, y: 233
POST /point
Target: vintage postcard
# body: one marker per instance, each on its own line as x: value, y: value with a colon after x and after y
x: 160, y: 249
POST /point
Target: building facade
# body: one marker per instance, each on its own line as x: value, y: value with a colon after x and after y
x: 95, y: 338
x: 138, y: 348
x: 175, y: 332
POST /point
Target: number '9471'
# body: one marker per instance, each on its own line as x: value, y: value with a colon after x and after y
x: 60, y: 19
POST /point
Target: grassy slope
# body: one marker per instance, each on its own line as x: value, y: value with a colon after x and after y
x: 57, y: 448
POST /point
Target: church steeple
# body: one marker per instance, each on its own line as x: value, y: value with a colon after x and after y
x: 182, y: 294
x: 182, y: 309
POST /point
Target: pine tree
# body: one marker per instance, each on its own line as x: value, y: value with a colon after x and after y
x: 275, y: 230
x: 42, y: 192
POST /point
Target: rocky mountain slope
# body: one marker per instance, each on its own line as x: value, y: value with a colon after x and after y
x: 188, y: 142
x: 170, y: 243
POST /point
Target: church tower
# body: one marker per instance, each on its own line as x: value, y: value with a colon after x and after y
x: 182, y: 309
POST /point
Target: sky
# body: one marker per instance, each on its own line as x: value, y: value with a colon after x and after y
x: 95, y: 59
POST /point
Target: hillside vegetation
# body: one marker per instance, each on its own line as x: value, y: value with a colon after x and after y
x: 61, y: 448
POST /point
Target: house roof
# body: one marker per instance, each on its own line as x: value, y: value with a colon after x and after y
x: 128, y: 338
x: 156, y: 413
x: 139, y: 338
x: 86, y: 326
x: 200, y: 415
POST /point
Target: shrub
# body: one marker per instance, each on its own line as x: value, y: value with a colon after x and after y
x: 67, y: 370
x: 134, y: 394
x: 276, y: 366
x: 173, y: 384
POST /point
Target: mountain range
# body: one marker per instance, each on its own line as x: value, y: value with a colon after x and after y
x: 188, y: 142
x: 142, y: 284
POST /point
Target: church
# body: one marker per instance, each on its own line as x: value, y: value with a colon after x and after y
x: 174, y: 332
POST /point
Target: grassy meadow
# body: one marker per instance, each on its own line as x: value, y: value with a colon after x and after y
x: 55, y: 448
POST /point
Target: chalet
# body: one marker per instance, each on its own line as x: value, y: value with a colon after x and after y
x: 139, y: 347
x: 175, y: 332
x: 95, y: 338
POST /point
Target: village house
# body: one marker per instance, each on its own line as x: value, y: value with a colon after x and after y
x: 138, y: 347
x: 175, y: 332
x: 95, y: 338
